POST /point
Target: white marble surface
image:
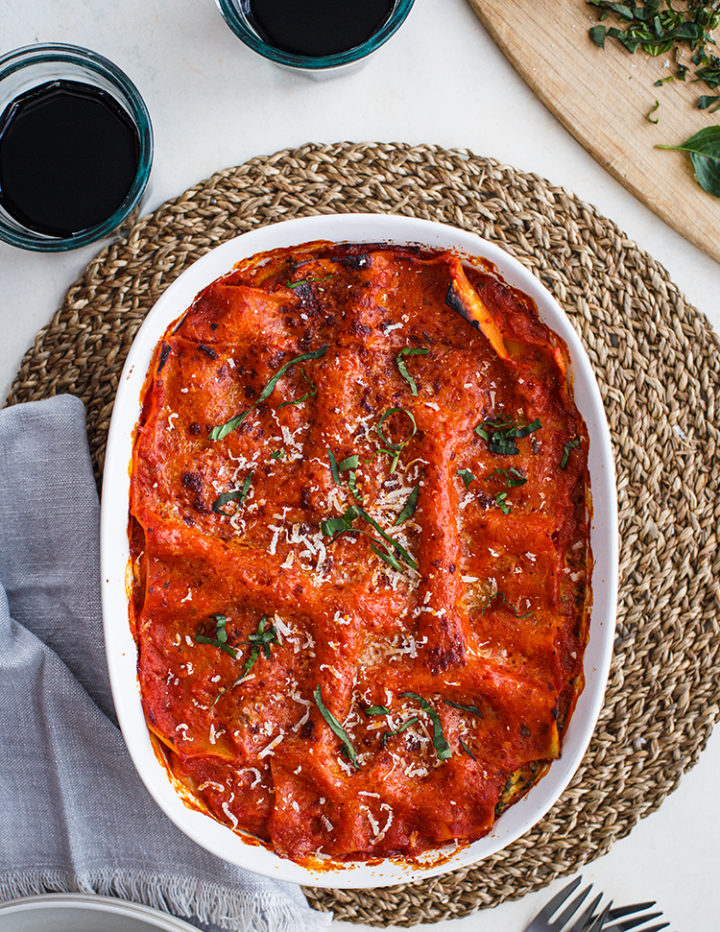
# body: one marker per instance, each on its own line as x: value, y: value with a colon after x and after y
x: 440, y: 79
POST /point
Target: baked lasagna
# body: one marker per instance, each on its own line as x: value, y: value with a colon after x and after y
x: 360, y: 550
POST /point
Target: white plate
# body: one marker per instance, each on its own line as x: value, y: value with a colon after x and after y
x: 121, y: 651
x: 82, y: 912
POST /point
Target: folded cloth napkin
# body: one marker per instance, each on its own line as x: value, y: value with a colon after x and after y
x: 74, y: 815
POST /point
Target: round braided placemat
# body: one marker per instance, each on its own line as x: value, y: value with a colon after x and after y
x: 656, y: 361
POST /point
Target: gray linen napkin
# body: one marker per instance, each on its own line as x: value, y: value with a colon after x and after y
x: 74, y: 815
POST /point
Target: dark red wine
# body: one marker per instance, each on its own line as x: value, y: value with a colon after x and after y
x: 318, y: 27
x: 68, y: 156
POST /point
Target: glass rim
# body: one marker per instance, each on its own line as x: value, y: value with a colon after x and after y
x: 229, y: 12
x: 63, y: 53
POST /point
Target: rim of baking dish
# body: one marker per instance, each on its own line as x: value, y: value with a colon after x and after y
x: 120, y: 645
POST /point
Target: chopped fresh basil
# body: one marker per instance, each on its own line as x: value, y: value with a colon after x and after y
x: 260, y: 640
x: 220, y: 432
x: 352, y: 485
x: 511, y: 607
x: 398, y: 731
x: 385, y: 554
x: 444, y: 752
x: 402, y: 369
x: 597, y: 34
x: 467, y: 750
x: 500, y: 435
x: 334, y: 467
x: 709, y: 102
x: 513, y: 477
x: 350, y: 462
x: 395, y: 449
x: 307, y: 281
x: 335, y: 727
x: 334, y: 527
x: 220, y: 632
x: 310, y: 394
x: 570, y: 445
x: 649, y: 115
x: 237, y: 495
x: 377, y: 710
x: 465, y: 708
x: 204, y: 639
x: 467, y: 476
x: 500, y: 501
x: 277, y: 455
x: 409, y: 507
x: 398, y: 548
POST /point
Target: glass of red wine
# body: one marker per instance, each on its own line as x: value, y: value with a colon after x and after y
x: 319, y: 37
x: 76, y: 147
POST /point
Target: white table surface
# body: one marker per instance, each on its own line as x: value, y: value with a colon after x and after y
x: 440, y: 79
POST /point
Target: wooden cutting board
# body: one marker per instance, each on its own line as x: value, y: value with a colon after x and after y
x: 602, y: 97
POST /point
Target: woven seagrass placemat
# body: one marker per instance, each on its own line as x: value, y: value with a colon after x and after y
x: 655, y: 358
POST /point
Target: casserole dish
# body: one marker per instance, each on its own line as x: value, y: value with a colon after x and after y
x: 122, y: 656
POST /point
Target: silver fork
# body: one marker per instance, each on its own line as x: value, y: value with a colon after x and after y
x: 620, y: 919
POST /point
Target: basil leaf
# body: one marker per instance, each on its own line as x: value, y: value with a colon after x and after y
x: 334, y: 468
x: 398, y: 548
x: 261, y: 639
x: 335, y: 727
x: 570, y: 445
x: 465, y: 708
x: 220, y: 632
x: 649, y: 114
x: 398, y: 731
x: 501, y: 595
x: 704, y: 150
x: 444, y: 752
x: 218, y: 433
x: 267, y: 391
x: 409, y: 508
x: 385, y: 555
x: 709, y: 102
x: 597, y: 34
x: 333, y: 526
x: 503, y: 433
x: 306, y: 281
x: 352, y: 485
x: 467, y: 750
x: 377, y: 710
x: 466, y: 476
x: 310, y: 394
x: 237, y: 495
x: 350, y: 462
x: 277, y: 455
x: 402, y: 369
x: 203, y: 639
x: 513, y: 477
x: 394, y: 446
x: 501, y: 503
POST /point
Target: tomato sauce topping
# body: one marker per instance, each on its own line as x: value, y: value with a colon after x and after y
x: 360, y: 541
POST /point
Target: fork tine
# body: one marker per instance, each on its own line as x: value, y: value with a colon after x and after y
x: 597, y: 923
x: 582, y: 920
x: 630, y: 923
x: 656, y: 928
x: 621, y: 911
x: 547, y: 911
x: 572, y: 907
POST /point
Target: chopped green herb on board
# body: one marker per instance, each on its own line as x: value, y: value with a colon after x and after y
x: 685, y: 32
